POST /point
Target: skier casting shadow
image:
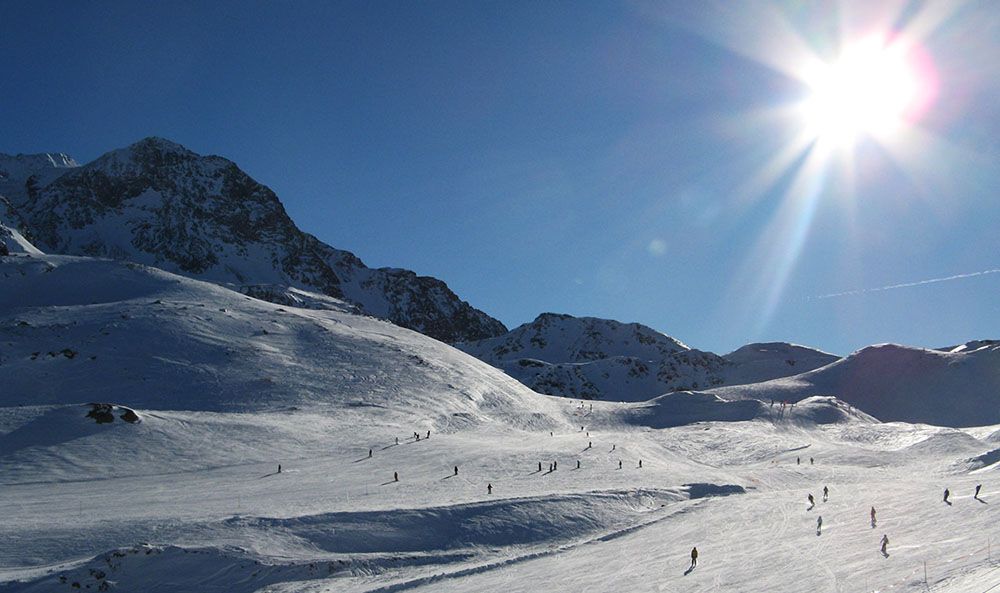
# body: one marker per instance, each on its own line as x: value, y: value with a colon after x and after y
x: 694, y: 561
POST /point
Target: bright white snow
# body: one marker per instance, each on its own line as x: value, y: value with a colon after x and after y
x: 227, y: 387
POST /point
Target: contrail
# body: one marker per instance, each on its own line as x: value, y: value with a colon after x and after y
x: 905, y: 284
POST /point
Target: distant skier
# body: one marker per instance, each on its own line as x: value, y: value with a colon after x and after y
x: 555, y: 465
x: 577, y: 464
x: 826, y: 494
x: 694, y: 557
x: 489, y: 489
x: 397, y: 440
x: 873, y: 517
x: 417, y: 435
x: 885, y: 542
x: 819, y: 524
x: 811, y: 461
x: 978, y: 488
x: 947, y: 493
x: 539, y: 466
x: 456, y: 470
x: 798, y: 461
x: 590, y: 444
x: 395, y: 476
x: 640, y: 464
x: 428, y: 434
x: 279, y: 468
x: 369, y: 453
x: 812, y: 501
x: 619, y: 464
x: 613, y: 447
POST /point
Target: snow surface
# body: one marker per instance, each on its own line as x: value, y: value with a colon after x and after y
x: 592, y: 358
x: 226, y: 387
x: 892, y: 382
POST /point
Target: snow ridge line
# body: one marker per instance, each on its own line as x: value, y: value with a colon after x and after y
x: 419, y: 582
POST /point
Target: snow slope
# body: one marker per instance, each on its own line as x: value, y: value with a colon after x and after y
x: 894, y: 382
x: 591, y: 358
x: 759, y: 362
x: 176, y: 488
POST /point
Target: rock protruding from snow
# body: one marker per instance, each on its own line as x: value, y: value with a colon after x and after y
x: 893, y: 382
x: 158, y: 203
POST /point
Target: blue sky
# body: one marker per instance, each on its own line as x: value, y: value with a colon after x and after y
x: 600, y: 159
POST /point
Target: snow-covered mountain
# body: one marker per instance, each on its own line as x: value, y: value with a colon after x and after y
x: 754, y: 363
x: 80, y: 329
x: 157, y: 203
x: 591, y: 358
x: 892, y: 382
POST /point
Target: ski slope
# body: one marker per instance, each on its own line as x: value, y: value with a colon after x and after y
x: 225, y: 388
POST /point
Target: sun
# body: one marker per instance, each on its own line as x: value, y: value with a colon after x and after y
x: 872, y: 89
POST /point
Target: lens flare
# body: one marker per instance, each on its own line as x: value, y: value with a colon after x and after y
x: 873, y: 89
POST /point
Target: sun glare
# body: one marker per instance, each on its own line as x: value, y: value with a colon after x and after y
x: 870, y: 90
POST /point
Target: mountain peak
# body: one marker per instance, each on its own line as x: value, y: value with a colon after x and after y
x: 160, y: 144
x: 155, y: 202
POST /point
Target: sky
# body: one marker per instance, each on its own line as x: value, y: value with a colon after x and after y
x: 650, y: 162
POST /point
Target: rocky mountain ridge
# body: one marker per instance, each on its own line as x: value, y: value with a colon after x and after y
x: 158, y: 203
x: 592, y: 358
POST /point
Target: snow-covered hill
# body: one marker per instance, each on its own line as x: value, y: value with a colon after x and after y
x: 143, y: 416
x: 157, y: 203
x: 78, y: 329
x: 892, y: 382
x: 754, y: 363
x: 591, y: 358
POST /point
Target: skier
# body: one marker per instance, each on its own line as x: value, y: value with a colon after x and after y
x: 279, y: 468
x: 812, y: 501
x: 550, y: 467
x: 489, y: 489
x: 397, y: 440
x: 590, y: 444
x: 539, y: 466
x: 369, y: 453
x: 640, y: 463
x: 947, y: 493
x: 810, y: 461
x: 456, y: 470
x: 826, y: 493
x: 976, y: 495
x: 798, y: 461
x: 885, y: 542
x: 417, y: 435
x: 819, y: 524
x: 873, y: 517
x: 555, y: 465
x: 577, y: 464
x: 613, y: 447
x: 619, y: 464
x: 395, y: 476
x: 694, y: 557
x: 428, y: 434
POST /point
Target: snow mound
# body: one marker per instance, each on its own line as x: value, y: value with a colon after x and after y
x: 893, y: 382
x: 67, y: 423
x: 503, y: 522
